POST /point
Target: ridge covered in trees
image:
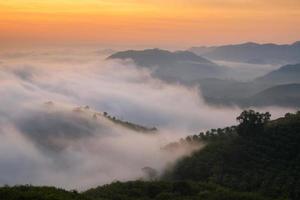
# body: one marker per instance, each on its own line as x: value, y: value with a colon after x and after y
x: 259, y: 159
x: 130, y: 125
x: 258, y: 155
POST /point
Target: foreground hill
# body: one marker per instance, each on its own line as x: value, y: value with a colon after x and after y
x: 257, y: 160
x: 163, y: 190
x: 173, y: 66
x: 52, y: 123
x: 252, y: 53
x: 134, y: 190
x: 38, y: 193
x: 257, y: 155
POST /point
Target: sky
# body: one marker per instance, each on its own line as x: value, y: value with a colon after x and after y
x: 152, y: 23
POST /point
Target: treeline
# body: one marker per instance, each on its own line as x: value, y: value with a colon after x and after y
x: 259, y: 155
x: 258, y: 159
x: 113, y: 119
x: 162, y: 190
x: 28, y: 192
x: 133, y: 190
x: 130, y: 125
x: 212, y: 135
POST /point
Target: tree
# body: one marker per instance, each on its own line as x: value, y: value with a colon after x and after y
x: 150, y: 172
x: 251, y: 122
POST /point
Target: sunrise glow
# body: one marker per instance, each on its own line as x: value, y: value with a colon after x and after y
x: 153, y: 22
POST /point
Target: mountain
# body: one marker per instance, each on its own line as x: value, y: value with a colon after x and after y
x: 279, y: 87
x: 133, y: 190
x: 223, y: 92
x: 257, y: 155
x: 153, y: 57
x: 164, y: 190
x: 46, y: 128
x: 258, y: 159
x: 252, y: 53
x: 188, y: 68
x: 182, y: 66
x: 225, y: 88
x: 284, y: 75
x: 130, y: 125
x: 281, y: 95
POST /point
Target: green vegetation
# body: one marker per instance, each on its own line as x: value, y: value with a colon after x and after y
x: 161, y: 190
x: 258, y: 155
x: 38, y: 193
x: 130, y: 125
x: 258, y: 159
x: 134, y: 190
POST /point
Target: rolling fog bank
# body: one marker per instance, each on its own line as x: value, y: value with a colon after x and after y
x: 54, y: 143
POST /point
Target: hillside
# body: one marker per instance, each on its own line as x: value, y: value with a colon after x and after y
x: 252, y: 53
x: 38, y: 193
x: 247, y: 95
x: 129, y: 125
x: 163, y: 190
x: 257, y: 155
x: 183, y: 66
x: 284, y: 75
x: 153, y: 57
x: 279, y: 87
x: 188, y: 68
x: 134, y: 190
x: 53, y: 123
x: 258, y: 159
x: 282, y: 95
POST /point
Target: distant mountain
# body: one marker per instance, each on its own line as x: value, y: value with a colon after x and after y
x: 282, y: 95
x: 284, y: 75
x: 188, y: 68
x: 279, y: 87
x: 252, y: 53
x: 152, y: 57
x: 219, y: 88
x: 223, y: 92
x: 183, y: 66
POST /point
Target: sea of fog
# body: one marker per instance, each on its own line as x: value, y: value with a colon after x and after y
x: 52, y: 144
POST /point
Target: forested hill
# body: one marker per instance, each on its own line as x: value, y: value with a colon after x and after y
x: 133, y: 190
x: 258, y: 159
x: 258, y: 155
x: 130, y: 125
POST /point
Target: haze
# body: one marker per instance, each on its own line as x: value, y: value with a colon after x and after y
x: 90, y: 95
x: 59, y: 144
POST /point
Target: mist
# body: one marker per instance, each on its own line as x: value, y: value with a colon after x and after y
x: 53, y: 131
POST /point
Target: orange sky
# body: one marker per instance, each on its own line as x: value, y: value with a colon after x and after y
x: 162, y: 23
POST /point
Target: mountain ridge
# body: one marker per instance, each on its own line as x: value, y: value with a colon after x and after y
x: 250, y: 52
x: 178, y: 66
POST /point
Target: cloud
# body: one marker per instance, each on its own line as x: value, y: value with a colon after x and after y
x: 55, y: 144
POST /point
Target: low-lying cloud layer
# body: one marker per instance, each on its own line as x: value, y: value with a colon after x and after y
x: 58, y: 144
